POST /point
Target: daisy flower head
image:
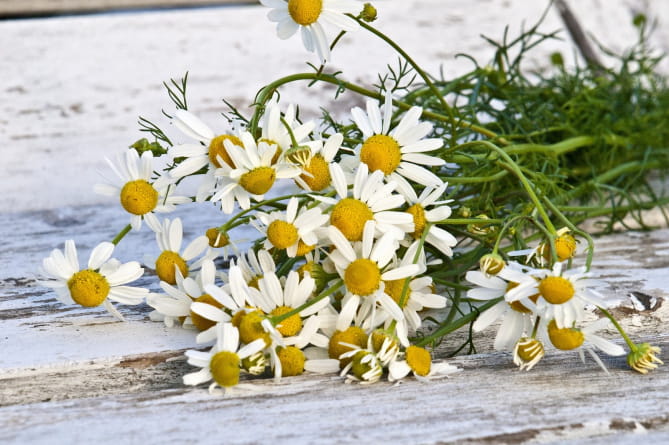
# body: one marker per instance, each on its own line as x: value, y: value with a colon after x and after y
x: 222, y: 363
x: 517, y: 316
x: 563, y: 295
x: 528, y: 352
x: 309, y: 16
x: 254, y: 173
x: 138, y: 193
x: 398, y: 152
x: 293, y: 231
x: 585, y: 339
x: 100, y: 283
x: 315, y: 161
x: 364, y: 270
x: 277, y: 128
x: 418, y: 361
x: 363, y: 366
x: 172, y: 261
x: 254, y: 266
x: 209, y: 151
x: 277, y: 299
x: 372, y: 200
x: 427, y: 208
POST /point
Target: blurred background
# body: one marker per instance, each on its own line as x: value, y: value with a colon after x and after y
x: 77, y: 74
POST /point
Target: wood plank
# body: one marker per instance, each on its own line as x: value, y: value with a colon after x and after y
x: 37, y: 8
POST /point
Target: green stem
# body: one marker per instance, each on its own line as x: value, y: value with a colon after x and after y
x: 229, y: 224
x: 446, y: 329
x: 521, y: 177
x: 121, y: 234
x: 620, y: 329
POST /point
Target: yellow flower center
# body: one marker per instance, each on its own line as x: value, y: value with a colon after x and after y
x: 358, y: 368
x: 378, y: 337
x: 303, y: 249
x: 217, y: 238
x: 556, y: 290
x: 217, y: 149
x: 88, y: 288
x: 253, y: 282
x: 305, y: 12
x: 362, y: 277
x: 291, y: 325
x: 353, y: 336
x: 139, y: 197
x: 517, y: 305
x: 350, y: 215
x: 565, y: 338
x: 394, y: 289
x: 165, y: 266
x: 492, y: 264
x: 529, y: 349
x: 418, y: 213
x: 224, y: 367
x: 565, y: 247
x: 319, y: 173
x: 281, y: 234
x: 381, y: 152
x: 419, y: 360
x: 237, y: 318
x: 250, y: 328
x: 201, y: 323
x: 259, y: 180
x: 292, y: 361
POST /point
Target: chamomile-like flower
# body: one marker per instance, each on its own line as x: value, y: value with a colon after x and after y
x: 562, y: 294
x: 418, y: 361
x: 210, y: 152
x: 254, y: 266
x: 365, y: 269
x: 309, y: 16
x: 398, y: 152
x: 222, y: 363
x: 422, y: 215
x: 172, y: 260
x: 253, y: 175
x: 585, y: 339
x: 372, y: 200
x: 275, y: 128
x: 315, y: 161
x: 139, y: 194
x: 100, y: 283
x: 295, y: 233
x: 517, y: 316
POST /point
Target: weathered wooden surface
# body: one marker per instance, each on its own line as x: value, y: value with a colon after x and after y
x: 72, y: 90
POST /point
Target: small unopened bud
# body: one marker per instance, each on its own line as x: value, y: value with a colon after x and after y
x: 368, y: 13
x: 491, y: 264
x: 527, y: 353
x: 644, y: 358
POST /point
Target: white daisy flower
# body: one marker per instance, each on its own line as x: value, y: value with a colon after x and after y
x: 275, y: 300
x: 172, y: 261
x: 100, y: 283
x: 398, y: 152
x: 172, y: 307
x: 315, y: 162
x: 418, y: 208
x: 255, y: 265
x: 372, y: 200
x: 585, y: 339
x: 365, y: 269
x: 517, y: 316
x: 295, y: 233
x: 274, y: 131
x: 222, y: 363
x: 418, y: 361
x: 309, y: 16
x: 253, y: 175
x: 138, y: 194
x: 210, y: 152
x: 563, y: 295
x: 364, y: 366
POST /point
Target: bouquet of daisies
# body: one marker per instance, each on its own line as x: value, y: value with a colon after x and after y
x: 377, y: 236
